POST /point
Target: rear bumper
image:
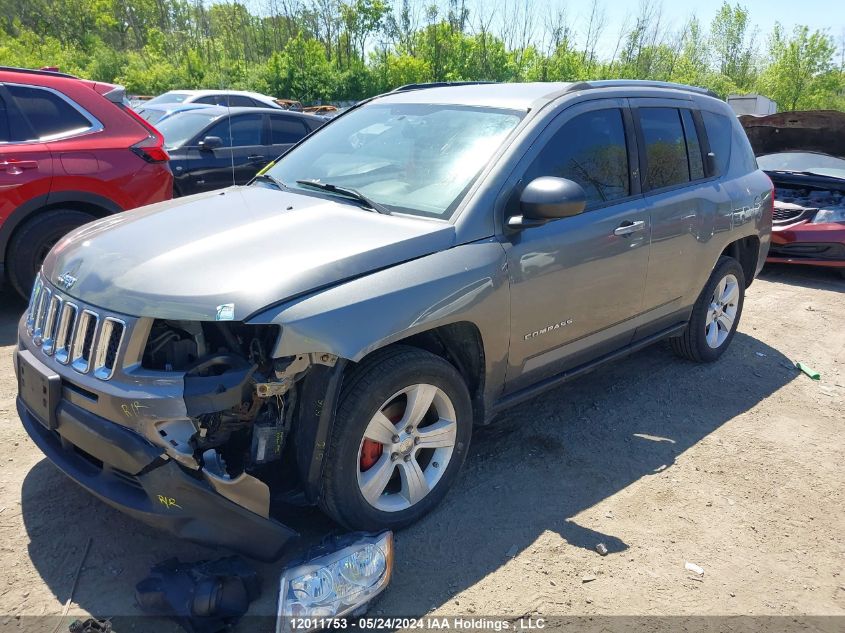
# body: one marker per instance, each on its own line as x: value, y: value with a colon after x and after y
x: 127, y: 472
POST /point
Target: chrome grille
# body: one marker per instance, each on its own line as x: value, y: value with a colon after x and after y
x: 81, y: 337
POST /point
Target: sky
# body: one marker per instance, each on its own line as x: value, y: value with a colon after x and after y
x: 817, y: 14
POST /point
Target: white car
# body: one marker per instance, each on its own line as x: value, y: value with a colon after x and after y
x: 232, y: 98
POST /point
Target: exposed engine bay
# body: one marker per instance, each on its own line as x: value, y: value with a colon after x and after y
x: 800, y: 204
x: 240, y: 402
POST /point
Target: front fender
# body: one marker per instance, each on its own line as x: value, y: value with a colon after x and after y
x: 465, y: 283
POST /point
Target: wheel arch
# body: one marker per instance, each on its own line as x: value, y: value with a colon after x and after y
x: 746, y: 251
x: 96, y: 205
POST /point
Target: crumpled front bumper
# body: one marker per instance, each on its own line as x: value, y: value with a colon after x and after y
x: 131, y: 474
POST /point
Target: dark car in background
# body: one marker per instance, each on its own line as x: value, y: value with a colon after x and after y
x: 804, y: 155
x: 71, y: 152
x: 218, y: 147
x: 157, y: 112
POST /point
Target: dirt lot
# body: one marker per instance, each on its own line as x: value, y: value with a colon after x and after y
x: 735, y: 466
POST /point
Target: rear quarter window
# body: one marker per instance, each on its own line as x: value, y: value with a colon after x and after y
x: 49, y: 114
x: 4, y: 123
x: 719, y: 132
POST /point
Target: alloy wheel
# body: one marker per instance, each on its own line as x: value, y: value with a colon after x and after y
x: 722, y: 310
x: 406, y: 448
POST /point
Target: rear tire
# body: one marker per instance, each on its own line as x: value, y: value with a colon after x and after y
x: 386, y: 466
x: 34, y: 239
x: 715, y: 315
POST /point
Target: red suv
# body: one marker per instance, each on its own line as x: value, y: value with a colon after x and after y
x: 71, y: 151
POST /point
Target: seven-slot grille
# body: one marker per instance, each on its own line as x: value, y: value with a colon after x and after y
x: 76, y: 335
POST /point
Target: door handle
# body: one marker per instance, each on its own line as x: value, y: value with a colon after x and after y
x: 628, y: 227
x: 256, y: 157
x: 15, y: 167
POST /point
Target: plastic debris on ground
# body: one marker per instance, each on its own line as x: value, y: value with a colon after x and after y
x: 694, y: 568
x: 91, y: 625
x: 601, y: 548
x: 812, y: 373
x: 202, y: 597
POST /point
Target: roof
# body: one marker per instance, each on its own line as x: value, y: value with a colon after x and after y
x: 515, y: 96
x: 218, y: 111
x: 210, y: 92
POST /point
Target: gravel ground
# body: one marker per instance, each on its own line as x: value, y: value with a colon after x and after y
x: 735, y: 466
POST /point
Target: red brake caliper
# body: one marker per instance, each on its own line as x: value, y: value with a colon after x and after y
x: 370, y: 452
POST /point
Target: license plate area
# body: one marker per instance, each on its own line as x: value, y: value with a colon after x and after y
x: 39, y: 388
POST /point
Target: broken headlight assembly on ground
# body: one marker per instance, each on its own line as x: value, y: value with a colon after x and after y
x: 336, y: 579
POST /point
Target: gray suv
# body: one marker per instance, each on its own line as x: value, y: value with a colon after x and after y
x: 331, y: 333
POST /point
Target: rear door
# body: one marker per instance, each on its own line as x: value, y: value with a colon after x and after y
x: 577, y: 283
x: 26, y: 169
x: 285, y: 130
x: 681, y: 201
x: 236, y: 161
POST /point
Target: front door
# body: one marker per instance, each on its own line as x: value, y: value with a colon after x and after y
x: 577, y: 283
x: 242, y: 154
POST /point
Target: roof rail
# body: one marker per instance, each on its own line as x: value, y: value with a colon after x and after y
x: 439, y: 84
x: 31, y: 71
x: 638, y: 83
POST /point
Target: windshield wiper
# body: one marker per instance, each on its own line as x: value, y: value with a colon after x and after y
x: 345, y: 191
x: 273, y: 181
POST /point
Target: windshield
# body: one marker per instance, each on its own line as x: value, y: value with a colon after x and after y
x: 410, y: 158
x: 180, y: 128
x: 169, y: 97
x: 821, y: 164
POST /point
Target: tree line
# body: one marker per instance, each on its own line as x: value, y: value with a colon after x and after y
x: 343, y: 50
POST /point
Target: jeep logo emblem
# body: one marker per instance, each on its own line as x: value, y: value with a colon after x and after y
x: 66, y: 280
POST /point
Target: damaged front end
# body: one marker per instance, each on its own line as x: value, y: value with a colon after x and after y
x: 190, y: 426
x: 240, y: 405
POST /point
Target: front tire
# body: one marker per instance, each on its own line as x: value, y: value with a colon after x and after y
x: 34, y: 239
x: 400, y: 437
x: 715, y: 315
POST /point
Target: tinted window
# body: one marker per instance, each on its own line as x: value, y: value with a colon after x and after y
x: 285, y: 129
x: 719, y: 136
x: 182, y: 127
x: 239, y: 130
x: 590, y: 149
x: 4, y: 123
x: 241, y: 101
x: 696, y: 164
x: 212, y: 100
x: 665, y: 148
x: 48, y: 114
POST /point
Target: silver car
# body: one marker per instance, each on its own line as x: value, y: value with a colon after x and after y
x: 331, y: 333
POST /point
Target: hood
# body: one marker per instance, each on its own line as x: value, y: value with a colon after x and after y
x: 820, y: 131
x: 244, y: 246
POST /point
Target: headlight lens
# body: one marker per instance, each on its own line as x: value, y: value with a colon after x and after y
x: 335, y: 584
x: 824, y: 216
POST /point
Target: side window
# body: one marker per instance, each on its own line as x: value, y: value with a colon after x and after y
x: 696, y: 164
x: 719, y: 136
x: 213, y: 100
x: 591, y: 150
x: 48, y: 114
x: 4, y: 123
x: 239, y: 131
x: 286, y: 129
x: 241, y: 101
x: 665, y: 148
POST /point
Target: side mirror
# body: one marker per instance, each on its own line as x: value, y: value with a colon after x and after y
x: 547, y: 198
x: 211, y: 142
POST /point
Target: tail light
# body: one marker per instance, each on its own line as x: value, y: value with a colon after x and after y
x: 151, y: 149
